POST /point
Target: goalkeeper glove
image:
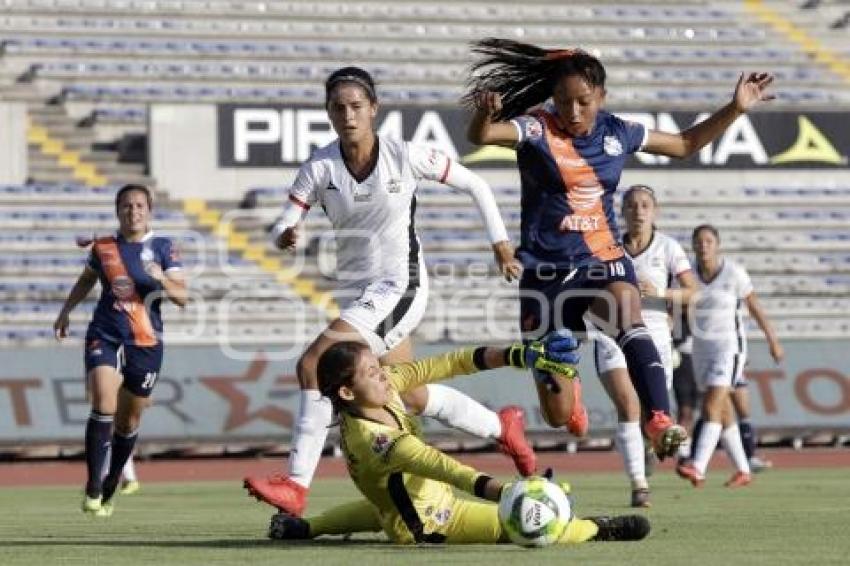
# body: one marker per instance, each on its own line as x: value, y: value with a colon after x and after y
x: 557, y: 353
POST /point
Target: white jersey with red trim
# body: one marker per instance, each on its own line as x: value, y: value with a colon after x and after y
x: 373, y: 220
x: 660, y: 263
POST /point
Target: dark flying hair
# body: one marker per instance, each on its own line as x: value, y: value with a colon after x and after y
x: 525, y: 75
x: 354, y: 75
x: 708, y: 227
x: 337, y: 367
x: 133, y: 187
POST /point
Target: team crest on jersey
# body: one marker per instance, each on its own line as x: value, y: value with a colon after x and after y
x: 123, y: 288
x: 381, y: 443
x: 533, y: 129
x: 612, y: 146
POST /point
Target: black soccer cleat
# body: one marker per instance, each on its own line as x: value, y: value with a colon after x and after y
x: 621, y: 527
x: 286, y: 527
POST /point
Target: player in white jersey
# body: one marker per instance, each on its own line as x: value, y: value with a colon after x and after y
x: 367, y: 186
x: 720, y: 353
x: 658, y: 260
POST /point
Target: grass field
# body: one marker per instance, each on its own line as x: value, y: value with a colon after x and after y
x: 787, y: 517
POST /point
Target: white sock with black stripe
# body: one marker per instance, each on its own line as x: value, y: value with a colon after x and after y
x: 706, y: 444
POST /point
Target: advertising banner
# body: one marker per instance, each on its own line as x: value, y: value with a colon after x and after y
x: 204, y: 395
x: 257, y: 136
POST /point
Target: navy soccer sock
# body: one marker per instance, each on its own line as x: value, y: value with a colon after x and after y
x: 645, y: 368
x: 122, y: 447
x: 695, y: 436
x: 748, y: 437
x: 98, y: 434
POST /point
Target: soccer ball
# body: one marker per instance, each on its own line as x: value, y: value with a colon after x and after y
x: 534, y: 512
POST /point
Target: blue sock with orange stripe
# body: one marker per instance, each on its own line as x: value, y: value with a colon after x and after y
x: 645, y: 368
x: 98, y: 434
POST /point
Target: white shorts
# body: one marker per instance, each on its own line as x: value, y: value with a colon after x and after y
x: 723, y: 368
x: 608, y: 355
x: 385, y: 312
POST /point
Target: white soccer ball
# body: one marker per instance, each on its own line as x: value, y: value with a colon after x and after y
x: 534, y: 512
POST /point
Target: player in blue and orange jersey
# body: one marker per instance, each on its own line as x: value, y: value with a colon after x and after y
x: 407, y: 484
x: 123, y: 346
x: 570, y: 155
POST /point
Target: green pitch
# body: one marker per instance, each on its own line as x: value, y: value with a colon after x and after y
x: 786, y: 517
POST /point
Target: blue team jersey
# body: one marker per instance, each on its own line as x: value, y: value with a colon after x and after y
x: 568, y: 186
x: 123, y: 314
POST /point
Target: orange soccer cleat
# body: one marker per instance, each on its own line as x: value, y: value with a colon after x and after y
x: 280, y: 491
x: 739, y: 479
x: 513, y: 441
x: 664, y: 434
x: 687, y: 470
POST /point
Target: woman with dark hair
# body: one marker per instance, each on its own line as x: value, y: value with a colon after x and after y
x: 123, y: 352
x: 658, y: 260
x: 407, y: 484
x: 570, y: 154
x: 366, y: 184
x: 720, y: 354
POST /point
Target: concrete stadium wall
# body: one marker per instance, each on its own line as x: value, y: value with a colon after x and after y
x: 13, y: 142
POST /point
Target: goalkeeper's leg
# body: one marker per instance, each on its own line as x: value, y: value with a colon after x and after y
x: 348, y: 518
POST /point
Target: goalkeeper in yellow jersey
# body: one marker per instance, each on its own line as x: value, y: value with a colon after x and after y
x: 408, y: 484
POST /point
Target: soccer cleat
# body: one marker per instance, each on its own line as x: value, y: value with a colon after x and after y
x: 105, y: 510
x: 758, y: 465
x: 686, y: 470
x: 664, y: 434
x: 279, y: 491
x: 578, y: 423
x: 287, y: 527
x: 91, y: 505
x: 513, y: 441
x: 129, y: 487
x: 622, y: 527
x: 640, y: 497
x: 739, y: 479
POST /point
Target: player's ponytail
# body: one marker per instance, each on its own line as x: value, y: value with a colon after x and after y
x: 336, y: 368
x: 525, y: 75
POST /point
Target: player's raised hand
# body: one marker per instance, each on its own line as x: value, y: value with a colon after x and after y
x: 509, y: 266
x: 752, y: 89
x: 287, y: 239
x: 60, y: 327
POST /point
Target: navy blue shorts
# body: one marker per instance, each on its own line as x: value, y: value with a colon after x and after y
x: 138, y: 365
x: 554, y: 298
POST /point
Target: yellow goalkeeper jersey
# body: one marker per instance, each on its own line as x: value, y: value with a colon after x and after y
x: 408, y: 481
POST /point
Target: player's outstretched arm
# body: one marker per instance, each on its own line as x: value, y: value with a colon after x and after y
x: 749, y: 92
x: 483, y: 129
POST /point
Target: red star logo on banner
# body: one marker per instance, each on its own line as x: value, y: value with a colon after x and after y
x: 260, y: 392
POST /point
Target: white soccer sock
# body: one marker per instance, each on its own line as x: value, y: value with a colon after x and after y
x: 129, y: 471
x: 630, y: 444
x: 705, y: 446
x: 684, y: 451
x: 460, y: 411
x: 308, y: 438
x: 731, y: 440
